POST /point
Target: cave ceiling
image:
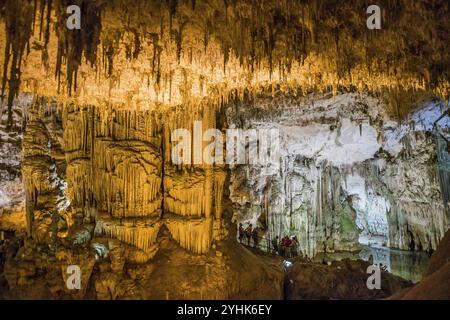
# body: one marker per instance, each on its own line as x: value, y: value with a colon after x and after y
x: 144, y: 54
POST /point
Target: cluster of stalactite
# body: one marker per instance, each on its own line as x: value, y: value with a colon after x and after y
x: 127, y: 178
x: 416, y: 225
x: 322, y: 221
x: 192, y: 234
x: 181, y: 45
x: 192, y: 192
x: 313, y: 203
x: 73, y: 45
x: 25, y: 19
x: 419, y: 218
x: 114, y: 167
x: 47, y: 204
x: 139, y: 233
x: 119, y: 164
x: 18, y: 17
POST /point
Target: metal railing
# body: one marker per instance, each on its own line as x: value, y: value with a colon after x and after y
x: 266, y: 244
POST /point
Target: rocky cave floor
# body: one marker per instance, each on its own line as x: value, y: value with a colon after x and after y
x: 228, y: 271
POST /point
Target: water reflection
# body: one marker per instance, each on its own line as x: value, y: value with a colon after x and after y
x: 406, y: 264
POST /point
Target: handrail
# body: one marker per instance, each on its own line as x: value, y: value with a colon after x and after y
x: 286, y: 252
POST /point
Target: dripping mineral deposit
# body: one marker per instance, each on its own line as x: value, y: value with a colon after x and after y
x: 224, y: 150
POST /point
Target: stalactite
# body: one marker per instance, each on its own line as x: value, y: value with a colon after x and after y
x: 114, y: 164
x: 73, y: 44
x: 126, y: 178
x: 187, y: 194
x: 123, y: 175
x: 79, y: 182
x: 219, y: 183
x: 46, y: 199
x: 265, y: 39
x: 18, y: 24
x: 139, y: 234
x: 192, y: 234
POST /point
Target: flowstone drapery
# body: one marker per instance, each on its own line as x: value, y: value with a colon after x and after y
x: 121, y: 179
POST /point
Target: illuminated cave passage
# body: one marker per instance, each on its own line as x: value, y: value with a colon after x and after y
x: 348, y: 177
x: 89, y: 176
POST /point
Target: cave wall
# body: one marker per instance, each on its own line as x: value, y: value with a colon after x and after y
x: 102, y: 185
x: 86, y: 207
x: 347, y: 174
x: 119, y: 177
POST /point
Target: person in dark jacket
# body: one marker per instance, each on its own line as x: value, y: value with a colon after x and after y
x: 241, y: 232
x: 275, y: 244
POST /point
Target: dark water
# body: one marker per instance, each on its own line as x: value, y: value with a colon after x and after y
x: 406, y: 264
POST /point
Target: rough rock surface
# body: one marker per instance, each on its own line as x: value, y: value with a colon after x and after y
x: 346, y: 174
x: 103, y: 194
x: 12, y: 192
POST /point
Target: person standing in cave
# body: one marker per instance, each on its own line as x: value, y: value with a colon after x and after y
x: 241, y: 232
x: 294, y: 246
x: 248, y: 233
x: 275, y: 244
x: 287, y: 244
x: 284, y: 246
x: 281, y: 247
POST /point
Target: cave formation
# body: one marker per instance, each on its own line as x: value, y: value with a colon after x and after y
x: 88, y: 176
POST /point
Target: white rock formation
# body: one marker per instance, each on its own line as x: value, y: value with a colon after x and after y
x: 347, y: 174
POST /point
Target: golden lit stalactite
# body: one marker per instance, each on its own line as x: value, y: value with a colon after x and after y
x: 18, y: 28
x: 74, y: 44
x: 192, y: 191
x: 312, y: 45
x: 114, y: 167
x: 192, y: 234
x: 140, y: 233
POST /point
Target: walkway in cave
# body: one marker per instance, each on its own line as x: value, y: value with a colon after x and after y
x: 265, y: 245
